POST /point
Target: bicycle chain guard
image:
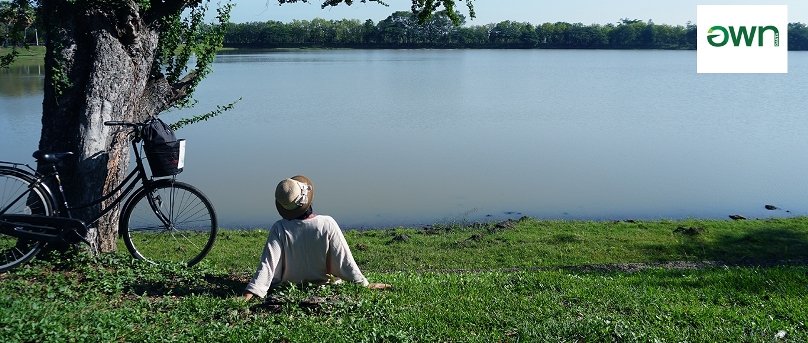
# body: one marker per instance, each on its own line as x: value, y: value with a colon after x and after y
x: 43, y: 228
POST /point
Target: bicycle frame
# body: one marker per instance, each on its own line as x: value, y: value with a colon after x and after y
x: 63, y: 209
x: 139, y: 173
x: 177, y: 220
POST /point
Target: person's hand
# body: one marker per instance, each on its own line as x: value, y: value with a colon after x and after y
x: 379, y: 286
x: 248, y: 296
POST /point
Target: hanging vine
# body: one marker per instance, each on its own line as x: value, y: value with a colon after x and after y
x: 186, y: 38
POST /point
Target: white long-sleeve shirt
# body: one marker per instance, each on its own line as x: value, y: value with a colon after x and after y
x: 304, y: 251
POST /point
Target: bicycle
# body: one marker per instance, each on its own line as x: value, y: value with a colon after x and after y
x: 163, y: 220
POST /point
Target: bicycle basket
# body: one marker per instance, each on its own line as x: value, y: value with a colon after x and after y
x: 164, y: 152
x: 166, y: 159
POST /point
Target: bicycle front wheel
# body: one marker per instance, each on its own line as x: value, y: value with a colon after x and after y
x: 17, y: 198
x: 169, y: 222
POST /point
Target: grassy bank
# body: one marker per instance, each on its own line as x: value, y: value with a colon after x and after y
x: 479, y: 283
x: 33, y: 55
x: 530, y: 243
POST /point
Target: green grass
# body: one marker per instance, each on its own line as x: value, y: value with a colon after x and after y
x: 32, y: 56
x: 536, y: 244
x: 168, y: 246
x: 450, y: 284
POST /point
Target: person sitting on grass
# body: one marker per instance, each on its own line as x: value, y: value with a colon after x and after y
x: 303, y: 247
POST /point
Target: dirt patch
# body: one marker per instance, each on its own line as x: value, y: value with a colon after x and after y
x: 401, y: 238
x: 690, y: 230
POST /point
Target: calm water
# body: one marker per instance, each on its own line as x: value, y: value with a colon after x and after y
x: 425, y: 136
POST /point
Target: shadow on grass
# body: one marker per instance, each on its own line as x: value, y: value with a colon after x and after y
x: 767, y: 243
x: 219, y: 286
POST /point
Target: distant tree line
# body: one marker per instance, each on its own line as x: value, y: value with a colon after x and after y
x: 400, y: 30
x: 797, y: 36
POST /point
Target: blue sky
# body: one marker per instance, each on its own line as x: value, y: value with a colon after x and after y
x: 672, y: 12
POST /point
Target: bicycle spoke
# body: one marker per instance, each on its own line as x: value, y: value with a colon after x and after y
x: 188, y: 231
x: 10, y: 192
x: 153, y: 228
x: 6, y: 254
x: 196, y: 216
x: 184, y: 236
x: 18, y: 195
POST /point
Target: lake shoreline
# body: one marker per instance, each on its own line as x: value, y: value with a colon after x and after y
x: 424, y: 137
x: 508, y: 222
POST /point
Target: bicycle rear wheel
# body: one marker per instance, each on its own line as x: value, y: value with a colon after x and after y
x: 179, y: 228
x: 14, y: 185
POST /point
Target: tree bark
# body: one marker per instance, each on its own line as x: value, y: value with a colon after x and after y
x: 98, y: 68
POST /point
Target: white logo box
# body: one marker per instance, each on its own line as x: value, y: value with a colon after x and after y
x: 742, y: 58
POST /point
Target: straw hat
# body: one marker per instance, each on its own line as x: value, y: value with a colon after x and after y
x: 293, y: 196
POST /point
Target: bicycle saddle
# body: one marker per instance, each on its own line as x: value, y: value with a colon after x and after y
x: 50, y: 157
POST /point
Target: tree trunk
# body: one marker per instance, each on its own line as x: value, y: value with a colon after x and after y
x: 98, y: 68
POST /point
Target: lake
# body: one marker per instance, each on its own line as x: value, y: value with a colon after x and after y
x: 419, y: 137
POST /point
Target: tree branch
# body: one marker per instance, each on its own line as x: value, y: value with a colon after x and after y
x: 332, y: 3
x: 160, y: 95
x: 160, y: 9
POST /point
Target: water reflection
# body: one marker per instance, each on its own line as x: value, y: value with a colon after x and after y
x: 424, y: 136
x: 22, y: 80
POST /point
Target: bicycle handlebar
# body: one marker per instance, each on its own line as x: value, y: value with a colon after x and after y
x: 119, y: 123
x: 135, y: 133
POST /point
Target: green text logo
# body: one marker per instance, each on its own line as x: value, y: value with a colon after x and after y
x: 742, y: 34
